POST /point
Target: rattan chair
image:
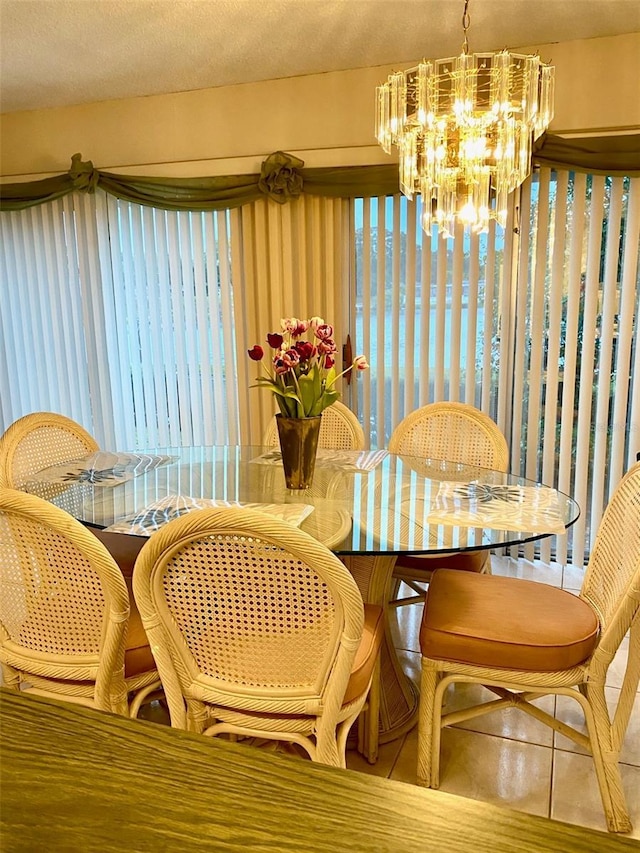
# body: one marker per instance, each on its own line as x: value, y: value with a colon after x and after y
x: 37, y: 441
x: 258, y: 630
x: 65, y: 625
x: 459, y: 433
x: 339, y: 430
x: 524, y: 640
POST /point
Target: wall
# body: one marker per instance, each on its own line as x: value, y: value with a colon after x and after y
x: 326, y: 118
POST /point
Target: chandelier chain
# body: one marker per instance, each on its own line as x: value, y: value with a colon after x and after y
x: 466, y: 21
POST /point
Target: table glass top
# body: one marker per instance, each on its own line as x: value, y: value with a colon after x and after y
x: 369, y: 502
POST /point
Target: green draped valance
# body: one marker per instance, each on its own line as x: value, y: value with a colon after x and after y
x: 284, y: 177
x: 597, y: 155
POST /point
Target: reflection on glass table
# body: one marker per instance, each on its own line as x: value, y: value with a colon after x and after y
x: 367, y: 507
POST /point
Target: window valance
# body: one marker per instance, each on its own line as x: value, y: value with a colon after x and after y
x: 597, y: 155
x: 283, y: 177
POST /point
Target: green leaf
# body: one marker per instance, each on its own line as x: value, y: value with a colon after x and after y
x: 317, y: 382
x: 327, y: 399
x: 308, y: 394
x: 286, y: 408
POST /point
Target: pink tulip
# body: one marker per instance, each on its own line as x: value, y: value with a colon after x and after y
x: 360, y: 362
x: 324, y: 332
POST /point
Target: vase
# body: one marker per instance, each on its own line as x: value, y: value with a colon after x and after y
x: 298, y: 445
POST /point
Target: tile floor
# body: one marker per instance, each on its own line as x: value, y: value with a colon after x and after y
x: 508, y: 758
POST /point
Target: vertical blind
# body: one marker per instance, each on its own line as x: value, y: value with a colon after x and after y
x: 293, y: 262
x: 428, y: 313
x: 576, y: 386
x: 120, y: 316
x: 536, y: 325
x: 43, y: 344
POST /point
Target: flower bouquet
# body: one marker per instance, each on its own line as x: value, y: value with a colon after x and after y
x: 302, y: 376
x: 302, y: 373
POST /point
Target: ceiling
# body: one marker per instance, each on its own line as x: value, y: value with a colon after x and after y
x: 61, y: 52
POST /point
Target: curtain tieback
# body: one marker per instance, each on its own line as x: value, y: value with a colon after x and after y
x: 280, y: 178
x: 83, y: 176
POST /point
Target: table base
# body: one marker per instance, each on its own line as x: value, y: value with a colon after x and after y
x: 398, y: 694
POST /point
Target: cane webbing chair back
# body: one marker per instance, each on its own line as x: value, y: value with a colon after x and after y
x: 339, y: 430
x: 254, y: 626
x: 38, y: 441
x: 64, y: 609
x: 458, y: 433
x: 611, y: 588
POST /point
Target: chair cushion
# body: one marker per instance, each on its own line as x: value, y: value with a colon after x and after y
x: 498, y: 622
x: 137, y: 652
x: 367, y: 653
x: 466, y: 561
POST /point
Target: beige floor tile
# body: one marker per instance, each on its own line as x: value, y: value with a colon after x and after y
x: 155, y: 712
x: 572, y: 577
x: 387, y: 757
x: 571, y: 713
x: 508, y: 723
x: 531, y: 570
x: 481, y: 767
x: 615, y: 673
x: 410, y: 662
x: 576, y: 797
x: 404, y: 623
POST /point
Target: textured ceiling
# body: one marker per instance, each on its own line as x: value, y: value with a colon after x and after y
x: 63, y: 52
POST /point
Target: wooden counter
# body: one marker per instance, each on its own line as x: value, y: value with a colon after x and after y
x: 73, y: 779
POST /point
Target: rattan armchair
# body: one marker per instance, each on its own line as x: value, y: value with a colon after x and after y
x: 37, y: 441
x: 258, y: 630
x: 65, y: 625
x: 339, y: 430
x: 459, y: 433
x: 524, y: 640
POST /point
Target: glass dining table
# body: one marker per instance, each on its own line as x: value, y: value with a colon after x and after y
x: 366, y: 506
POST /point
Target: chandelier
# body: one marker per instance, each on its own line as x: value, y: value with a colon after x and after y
x: 464, y: 127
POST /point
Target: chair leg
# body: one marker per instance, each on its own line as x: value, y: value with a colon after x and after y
x: 427, y: 741
x: 605, y: 759
x: 328, y: 750
x: 372, y: 717
x: 10, y: 677
x: 420, y: 593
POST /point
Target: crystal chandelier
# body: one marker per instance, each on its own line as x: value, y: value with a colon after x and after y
x: 464, y: 127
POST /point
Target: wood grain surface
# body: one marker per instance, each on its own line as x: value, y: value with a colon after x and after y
x: 74, y: 779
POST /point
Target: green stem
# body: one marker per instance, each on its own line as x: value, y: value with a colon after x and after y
x: 335, y: 378
x: 298, y: 404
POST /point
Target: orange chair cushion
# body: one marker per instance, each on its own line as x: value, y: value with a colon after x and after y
x: 498, y: 622
x: 367, y: 653
x: 137, y: 652
x: 466, y: 561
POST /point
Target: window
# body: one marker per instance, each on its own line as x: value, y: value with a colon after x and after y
x: 537, y: 325
x: 121, y: 317
x: 428, y: 313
